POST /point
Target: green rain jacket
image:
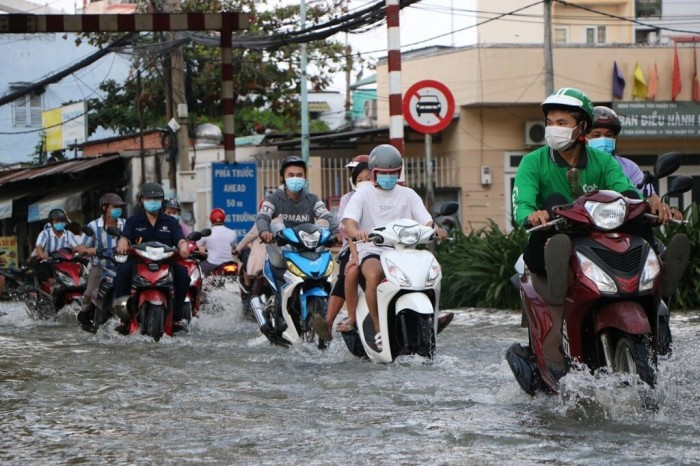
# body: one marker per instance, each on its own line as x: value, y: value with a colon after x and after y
x: 542, y: 172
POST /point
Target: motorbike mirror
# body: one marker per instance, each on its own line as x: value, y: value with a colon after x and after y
x: 205, y: 232
x: 667, y: 164
x: 114, y: 231
x: 195, y: 236
x: 680, y: 184
x: 449, y: 208
x: 88, y: 231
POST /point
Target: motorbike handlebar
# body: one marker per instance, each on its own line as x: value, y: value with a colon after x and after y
x: 551, y: 223
x: 670, y: 220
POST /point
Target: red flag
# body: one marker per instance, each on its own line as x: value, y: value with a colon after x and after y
x: 676, y: 84
x: 653, y: 86
x: 696, y: 84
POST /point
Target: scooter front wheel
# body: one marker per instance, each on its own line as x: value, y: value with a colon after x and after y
x: 426, y: 333
x: 633, y: 355
x: 153, y: 320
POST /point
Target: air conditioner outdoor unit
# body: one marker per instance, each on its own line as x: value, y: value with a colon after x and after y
x: 534, y: 133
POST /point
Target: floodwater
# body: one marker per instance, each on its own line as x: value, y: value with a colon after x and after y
x: 222, y: 395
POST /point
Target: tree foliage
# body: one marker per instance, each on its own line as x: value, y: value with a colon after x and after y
x: 266, y: 82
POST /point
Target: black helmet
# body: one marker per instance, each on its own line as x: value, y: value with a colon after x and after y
x: 384, y: 158
x: 151, y: 190
x: 171, y: 203
x: 57, y: 214
x: 604, y: 117
x: 292, y: 160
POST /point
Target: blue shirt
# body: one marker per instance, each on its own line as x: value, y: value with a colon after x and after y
x: 102, y: 240
x: 48, y: 240
x: 166, y: 230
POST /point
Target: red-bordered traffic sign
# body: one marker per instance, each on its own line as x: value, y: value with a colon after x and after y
x: 428, y: 106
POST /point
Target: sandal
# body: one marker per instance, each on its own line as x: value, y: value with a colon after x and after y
x: 378, y: 342
x: 346, y: 325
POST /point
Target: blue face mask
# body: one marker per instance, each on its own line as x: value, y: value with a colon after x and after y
x: 295, y: 184
x: 175, y: 216
x: 604, y: 144
x: 60, y: 226
x: 387, y: 181
x: 152, y: 206
x: 116, y: 213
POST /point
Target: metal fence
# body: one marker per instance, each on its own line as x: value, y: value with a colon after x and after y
x: 335, y: 177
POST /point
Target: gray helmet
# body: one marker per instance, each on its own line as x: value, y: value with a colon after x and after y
x: 172, y: 203
x: 151, y: 190
x: 57, y: 214
x: 385, y: 158
x: 292, y: 160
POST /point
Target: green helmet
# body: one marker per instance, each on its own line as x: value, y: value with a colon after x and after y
x: 573, y: 99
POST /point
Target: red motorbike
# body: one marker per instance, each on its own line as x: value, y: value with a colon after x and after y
x: 149, y: 308
x: 193, y: 300
x: 610, y: 315
x: 65, y: 286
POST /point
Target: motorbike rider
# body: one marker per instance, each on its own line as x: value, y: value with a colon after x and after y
x: 49, y: 240
x: 375, y: 207
x: 219, y: 245
x: 558, y: 173
x: 111, y: 207
x: 295, y: 206
x: 153, y: 225
x: 172, y: 207
x: 345, y: 287
x: 605, y: 130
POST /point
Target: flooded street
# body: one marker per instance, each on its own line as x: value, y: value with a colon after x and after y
x: 221, y: 395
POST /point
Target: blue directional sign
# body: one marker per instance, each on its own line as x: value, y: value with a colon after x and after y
x: 234, y: 188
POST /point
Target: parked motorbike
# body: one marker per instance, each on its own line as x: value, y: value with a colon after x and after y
x: 610, y: 316
x: 149, y: 307
x: 293, y: 307
x: 408, y: 299
x: 65, y: 286
x: 193, y: 299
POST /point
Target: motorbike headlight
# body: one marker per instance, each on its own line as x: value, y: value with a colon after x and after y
x: 607, y: 215
x: 310, y: 240
x: 433, y: 273
x: 408, y: 235
x: 63, y: 278
x: 591, y: 270
x: 154, y: 253
x: 651, y: 270
x: 397, y: 274
x: 295, y: 270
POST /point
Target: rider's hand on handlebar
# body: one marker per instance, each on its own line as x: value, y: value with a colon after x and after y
x: 266, y: 236
x: 441, y: 233
x: 361, y: 236
x: 184, y: 250
x: 660, y: 208
x: 676, y: 214
x: 91, y: 251
x: 539, y: 217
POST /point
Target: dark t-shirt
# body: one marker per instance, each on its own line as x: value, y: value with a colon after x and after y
x: 166, y: 230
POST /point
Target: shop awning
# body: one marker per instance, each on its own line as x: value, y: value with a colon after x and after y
x: 69, y: 199
x: 7, y: 199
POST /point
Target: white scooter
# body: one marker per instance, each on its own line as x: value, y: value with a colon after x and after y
x: 408, y: 299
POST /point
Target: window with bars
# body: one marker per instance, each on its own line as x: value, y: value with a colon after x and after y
x: 561, y: 35
x: 26, y: 111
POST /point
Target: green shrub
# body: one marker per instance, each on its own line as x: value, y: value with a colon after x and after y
x: 688, y: 293
x: 477, y: 267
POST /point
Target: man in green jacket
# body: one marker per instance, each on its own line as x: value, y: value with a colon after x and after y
x: 557, y: 174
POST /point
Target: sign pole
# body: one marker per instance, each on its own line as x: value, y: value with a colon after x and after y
x: 429, y: 195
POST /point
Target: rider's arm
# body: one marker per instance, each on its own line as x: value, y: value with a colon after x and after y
x: 526, y: 188
x: 321, y: 212
x: 250, y: 236
x: 41, y: 243
x: 265, y: 216
x: 352, y: 216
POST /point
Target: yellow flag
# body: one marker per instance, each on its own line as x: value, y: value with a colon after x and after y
x: 640, y: 84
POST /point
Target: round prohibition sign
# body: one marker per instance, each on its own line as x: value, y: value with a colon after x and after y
x: 428, y: 106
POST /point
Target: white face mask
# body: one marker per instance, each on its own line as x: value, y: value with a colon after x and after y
x: 559, y: 137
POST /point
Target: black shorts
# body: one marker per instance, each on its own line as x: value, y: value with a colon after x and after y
x: 339, y: 286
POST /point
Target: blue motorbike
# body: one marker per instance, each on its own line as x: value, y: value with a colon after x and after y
x: 298, y: 271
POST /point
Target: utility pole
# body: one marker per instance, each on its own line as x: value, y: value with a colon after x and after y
x: 304, y: 92
x: 348, y: 73
x: 548, y: 62
x: 178, y: 107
